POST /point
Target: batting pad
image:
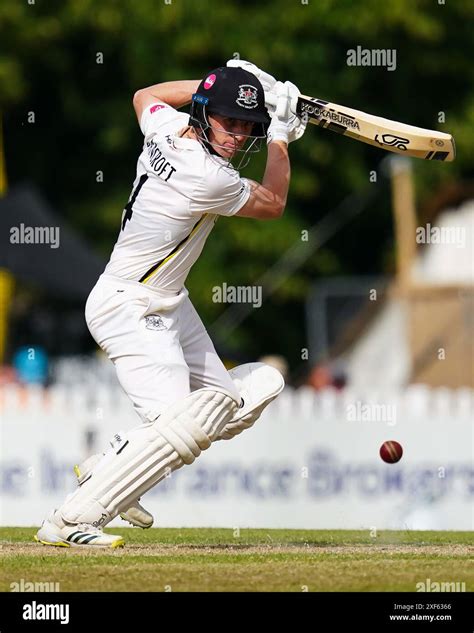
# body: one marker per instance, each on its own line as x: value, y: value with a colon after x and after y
x: 148, y: 453
x: 258, y: 384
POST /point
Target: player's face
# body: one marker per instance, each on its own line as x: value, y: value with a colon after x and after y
x: 228, y: 135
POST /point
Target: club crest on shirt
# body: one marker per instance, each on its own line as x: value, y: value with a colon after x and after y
x: 247, y: 96
x: 154, y: 322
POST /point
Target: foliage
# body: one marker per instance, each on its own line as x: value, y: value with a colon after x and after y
x: 84, y: 121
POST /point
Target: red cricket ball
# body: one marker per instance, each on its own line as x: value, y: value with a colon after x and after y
x: 391, y: 452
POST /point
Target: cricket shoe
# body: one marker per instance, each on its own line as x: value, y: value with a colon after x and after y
x: 136, y: 514
x: 80, y: 535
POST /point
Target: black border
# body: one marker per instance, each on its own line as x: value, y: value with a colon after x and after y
x: 239, y: 612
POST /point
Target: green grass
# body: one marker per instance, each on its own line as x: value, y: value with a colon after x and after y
x: 254, y: 560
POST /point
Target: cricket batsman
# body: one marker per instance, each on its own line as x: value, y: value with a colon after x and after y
x: 139, y: 311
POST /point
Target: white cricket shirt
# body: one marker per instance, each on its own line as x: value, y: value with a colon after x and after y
x: 178, y: 193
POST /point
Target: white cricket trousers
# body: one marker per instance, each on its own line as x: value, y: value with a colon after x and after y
x: 157, y: 342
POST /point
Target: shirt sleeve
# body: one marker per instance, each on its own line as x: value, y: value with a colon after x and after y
x: 223, y: 193
x: 158, y: 117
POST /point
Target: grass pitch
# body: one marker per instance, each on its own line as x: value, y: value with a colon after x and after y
x: 253, y: 560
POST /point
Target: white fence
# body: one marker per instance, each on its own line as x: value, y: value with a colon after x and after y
x: 311, y: 461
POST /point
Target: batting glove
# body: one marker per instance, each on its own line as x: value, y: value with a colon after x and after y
x: 285, y: 125
x: 268, y: 82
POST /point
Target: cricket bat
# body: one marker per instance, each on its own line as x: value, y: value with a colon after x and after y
x: 389, y: 135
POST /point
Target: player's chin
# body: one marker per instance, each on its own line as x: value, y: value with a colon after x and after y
x: 227, y: 152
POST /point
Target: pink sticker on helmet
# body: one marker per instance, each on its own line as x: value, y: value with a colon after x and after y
x: 209, y: 82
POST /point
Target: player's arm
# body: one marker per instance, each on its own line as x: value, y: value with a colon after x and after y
x: 175, y: 93
x: 268, y: 200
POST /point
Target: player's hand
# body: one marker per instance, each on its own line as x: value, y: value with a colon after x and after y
x: 268, y: 81
x: 285, y: 125
x: 298, y: 125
